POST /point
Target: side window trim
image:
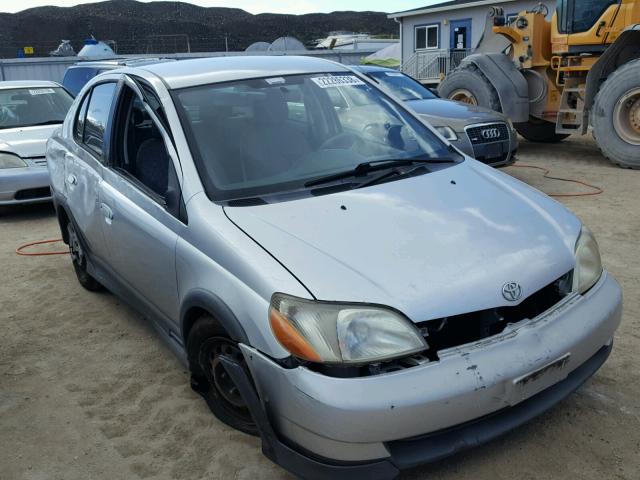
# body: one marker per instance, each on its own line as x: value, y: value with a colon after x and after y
x: 82, y: 111
x: 120, y: 116
x: 165, y: 132
x: 104, y: 158
x: 146, y: 91
x: 157, y: 198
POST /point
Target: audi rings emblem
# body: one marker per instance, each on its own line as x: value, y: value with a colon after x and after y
x: 490, y: 133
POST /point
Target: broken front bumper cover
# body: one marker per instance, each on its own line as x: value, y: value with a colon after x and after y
x: 409, y: 453
x: 373, y: 427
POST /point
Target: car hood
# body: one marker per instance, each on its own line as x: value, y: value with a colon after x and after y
x: 27, y: 142
x: 457, y: 115
x: 426, y: 246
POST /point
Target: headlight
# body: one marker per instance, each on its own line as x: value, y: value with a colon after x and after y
x: 588, y: 263
x: 327, y: 332
x: 510, y: 123
x: 447, y: 132
x: 9, y: 160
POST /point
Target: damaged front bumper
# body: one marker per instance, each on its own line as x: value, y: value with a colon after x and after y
x: 321, y: 426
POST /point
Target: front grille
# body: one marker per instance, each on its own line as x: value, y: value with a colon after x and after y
x: 33, y: 193
x: 490, y: 133
x: 444, y: 333
x: 492, y: 160
x: 457, y: 331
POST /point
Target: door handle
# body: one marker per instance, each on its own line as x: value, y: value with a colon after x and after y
x: 72, y: 179
x: 107, y: 212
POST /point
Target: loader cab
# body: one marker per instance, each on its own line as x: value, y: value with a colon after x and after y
x: 582, y: 26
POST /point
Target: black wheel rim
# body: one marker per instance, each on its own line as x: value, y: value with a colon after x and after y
x: 221, y: 382
x: 75, y: 248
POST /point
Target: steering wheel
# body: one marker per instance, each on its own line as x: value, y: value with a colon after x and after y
x: 341, y: 141
x: 377, y: 131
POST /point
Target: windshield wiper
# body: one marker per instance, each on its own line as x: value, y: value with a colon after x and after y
x: 365, y: 168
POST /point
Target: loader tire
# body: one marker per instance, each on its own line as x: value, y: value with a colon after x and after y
x: 540, y: 131
x: 467, y: 84
x: 615, y: 116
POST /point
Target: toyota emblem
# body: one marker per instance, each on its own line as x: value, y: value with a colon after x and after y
x: 490, y: 133
x: 512, y: 291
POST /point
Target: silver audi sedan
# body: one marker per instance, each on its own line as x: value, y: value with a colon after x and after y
x: 359, y: 294
x: 29, y: 113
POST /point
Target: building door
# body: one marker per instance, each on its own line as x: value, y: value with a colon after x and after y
x: 460, y: 34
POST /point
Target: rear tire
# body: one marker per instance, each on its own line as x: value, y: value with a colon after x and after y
x: 540, y: 131
x: 79, y: 261
x: 615, y: 116
x: 206, y: 342
x: 469, y: 85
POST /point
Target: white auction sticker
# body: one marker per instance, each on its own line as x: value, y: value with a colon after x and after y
x: 337, y: 81
x: 393, y: 74
x: 42, y: 91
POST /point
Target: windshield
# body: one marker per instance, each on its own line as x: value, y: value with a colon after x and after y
x: 264, y: 136
x: 24, y: 107
x: 402, y: 86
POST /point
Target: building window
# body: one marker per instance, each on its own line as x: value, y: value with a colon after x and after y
x: 427, y: 37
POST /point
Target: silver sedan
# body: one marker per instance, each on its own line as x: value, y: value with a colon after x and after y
x: 29, y: 113
x: 358, y: 293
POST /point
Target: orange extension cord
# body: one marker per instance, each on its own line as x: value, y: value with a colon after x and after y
x: 596, y: 190
x: 20, y: 249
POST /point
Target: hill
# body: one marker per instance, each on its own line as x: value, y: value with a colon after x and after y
x: 135, y: 26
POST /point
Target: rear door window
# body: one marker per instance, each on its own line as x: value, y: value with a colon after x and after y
x: 97, y: 119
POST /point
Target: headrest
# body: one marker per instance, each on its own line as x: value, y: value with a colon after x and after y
x: 270, y: 109
x: 213, y: 113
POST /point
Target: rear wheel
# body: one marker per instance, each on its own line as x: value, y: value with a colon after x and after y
x: 467, y: 84
x: 206, y: 343
x: 615, y: 116
x: 79, y: 261
x: 541, y: 131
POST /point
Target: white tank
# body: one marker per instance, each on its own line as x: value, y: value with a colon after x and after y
x: 94, y: 48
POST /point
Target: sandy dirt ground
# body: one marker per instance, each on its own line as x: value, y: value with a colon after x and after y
x: 88, y: 391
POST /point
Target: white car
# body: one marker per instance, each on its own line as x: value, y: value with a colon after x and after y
x: 30, y: 111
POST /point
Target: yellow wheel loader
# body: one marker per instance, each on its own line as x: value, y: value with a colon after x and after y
x: 559, y: 77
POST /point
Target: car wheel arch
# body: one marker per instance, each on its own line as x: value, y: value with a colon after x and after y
x: 63, y: 220
x: 199, y: 303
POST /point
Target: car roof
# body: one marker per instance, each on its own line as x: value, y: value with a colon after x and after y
x: 121, y: 62
x: 373, y: 68
x: 202, y: 71
x: 27, y: 84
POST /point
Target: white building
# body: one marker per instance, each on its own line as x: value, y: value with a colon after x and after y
x: 436, y: 37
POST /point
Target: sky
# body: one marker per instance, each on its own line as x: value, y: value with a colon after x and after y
x: 255, y: 6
